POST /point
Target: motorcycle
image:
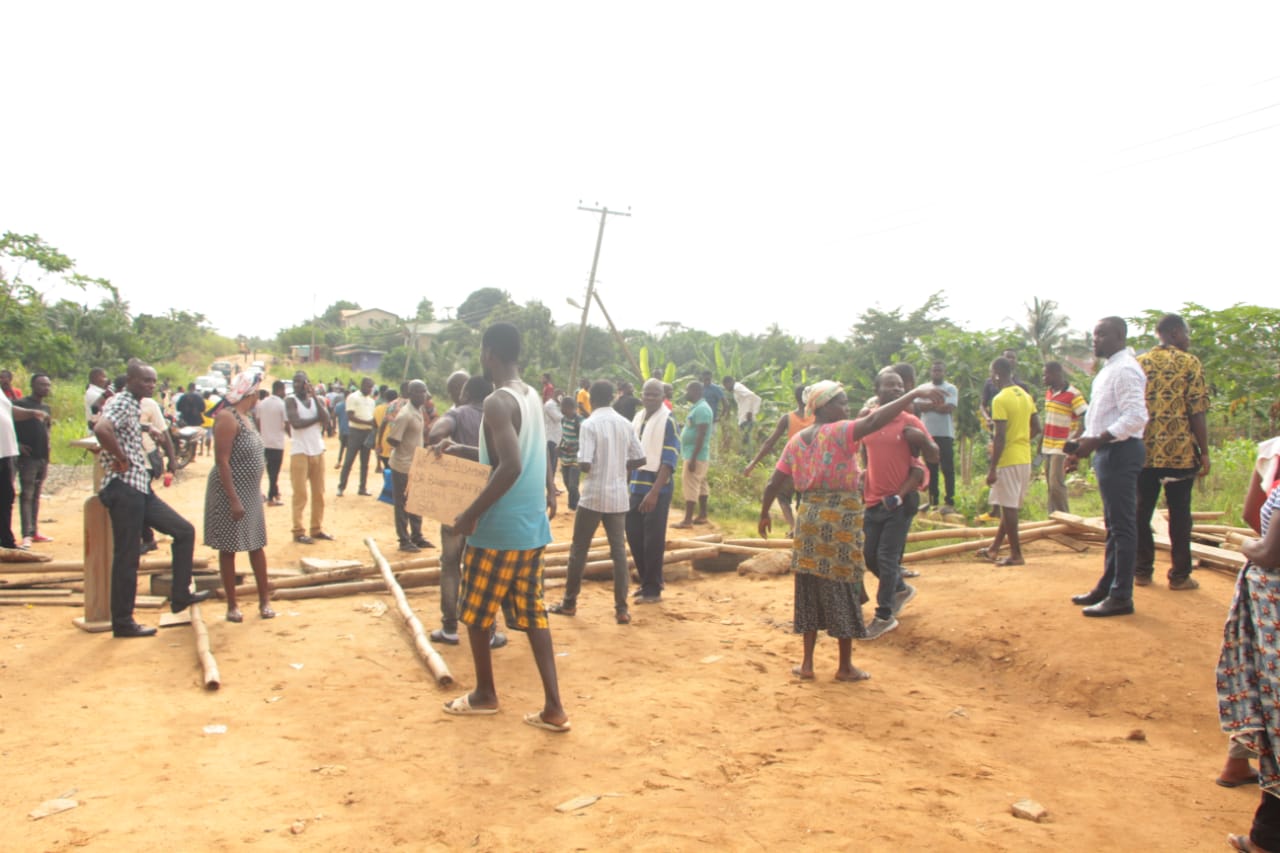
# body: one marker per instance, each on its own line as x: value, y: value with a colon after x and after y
x: 186, y: 441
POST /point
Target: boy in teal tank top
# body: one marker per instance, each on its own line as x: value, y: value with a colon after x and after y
x: 507, y: 528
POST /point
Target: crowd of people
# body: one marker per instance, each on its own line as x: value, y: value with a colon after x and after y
x: 849, y: 487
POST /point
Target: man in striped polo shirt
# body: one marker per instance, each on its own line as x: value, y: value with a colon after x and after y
x: 1064, y: 409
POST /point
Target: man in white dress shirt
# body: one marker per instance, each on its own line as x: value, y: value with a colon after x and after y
x: 607, y: 451
x: 1113, y: 433
x: 748, y: 403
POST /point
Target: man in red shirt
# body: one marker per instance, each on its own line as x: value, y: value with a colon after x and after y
x: 895, y: 475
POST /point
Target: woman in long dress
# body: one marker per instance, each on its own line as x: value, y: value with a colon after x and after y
x: 821, y: 463
x: 234, y: 520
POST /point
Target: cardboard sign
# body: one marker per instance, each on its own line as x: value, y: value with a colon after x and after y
x: 440, y: 487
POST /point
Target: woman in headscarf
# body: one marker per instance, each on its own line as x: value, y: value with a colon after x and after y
x: 821, y: 463
x: 234, y: 520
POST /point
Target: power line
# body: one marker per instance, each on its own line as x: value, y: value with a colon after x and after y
x: 1201, y: 127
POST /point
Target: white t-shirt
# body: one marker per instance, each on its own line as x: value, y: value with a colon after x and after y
x: 92, y: 395
x: 8, y: 438
x: 150, y: 414
x: 271, y: 422
x: 308, y: 440
x: 553, y: 419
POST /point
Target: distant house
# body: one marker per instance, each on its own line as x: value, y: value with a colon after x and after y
x: 366, y: 318
x: 361, y: 358
x: 420, y: 335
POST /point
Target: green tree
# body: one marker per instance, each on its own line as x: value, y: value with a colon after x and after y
x: 477, y: 307
x: 1045, y: 330
x: 425, y: 311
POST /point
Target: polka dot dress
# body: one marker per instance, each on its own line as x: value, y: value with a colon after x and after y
x: 221, y: 532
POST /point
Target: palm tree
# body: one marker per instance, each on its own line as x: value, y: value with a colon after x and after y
x: 1045, y: 330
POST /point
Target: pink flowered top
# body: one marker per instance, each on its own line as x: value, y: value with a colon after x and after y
x: 829, y: 462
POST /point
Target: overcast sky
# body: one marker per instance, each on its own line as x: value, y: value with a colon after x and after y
x: 784, y: 163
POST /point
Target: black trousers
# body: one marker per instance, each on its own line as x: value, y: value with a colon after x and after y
x: 1177, y: 496
x: 275, y: 458
x: 1266, y: 823
x: 647, y: 537
x: 6, y: 503
x: 131, y: 510
x: 947, y: 464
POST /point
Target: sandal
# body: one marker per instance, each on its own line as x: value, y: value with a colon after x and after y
x: 563, y: 609
x: 985, y: 554
x: 266, y: 612
x: 234, y: 615
x: 1010, y: 561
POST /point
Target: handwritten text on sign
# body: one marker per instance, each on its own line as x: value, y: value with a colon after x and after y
x: 440, y: 487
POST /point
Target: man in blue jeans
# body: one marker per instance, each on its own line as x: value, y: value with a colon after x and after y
x: 126, y: 493
x: 895, y: 475
x: 1113, y: 430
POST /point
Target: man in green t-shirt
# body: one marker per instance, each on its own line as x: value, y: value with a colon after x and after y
x: 1016, y: 423
x: 695, y: 447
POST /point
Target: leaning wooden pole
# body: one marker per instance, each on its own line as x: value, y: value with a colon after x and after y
x: 212, y: 681
x: 439, y: 669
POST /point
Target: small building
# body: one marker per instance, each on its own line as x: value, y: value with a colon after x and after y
x: 361, y: 358
x: 367, y: 318
x: 421, y: 335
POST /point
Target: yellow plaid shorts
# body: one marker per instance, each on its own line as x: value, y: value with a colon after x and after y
x: 511, y: 580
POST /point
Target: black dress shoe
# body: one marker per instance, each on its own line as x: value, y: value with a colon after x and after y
x: 1088, y: 598
x: 423, y: 543
x: 131, y: 629
x: 177, y: 605
x: 1109, y: 607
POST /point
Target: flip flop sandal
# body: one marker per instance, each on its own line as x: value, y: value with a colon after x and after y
x: 799, y: 673
x: 1009, y: 561
x: 862, y: 675
x: 984, y: 554
x: 1252, y: 780
x: 534, y: 718
x: 461, y: 707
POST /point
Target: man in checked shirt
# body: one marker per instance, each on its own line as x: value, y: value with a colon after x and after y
x: 126, y: 493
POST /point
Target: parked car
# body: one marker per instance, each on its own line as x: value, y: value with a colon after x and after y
x: 214, y: 382
x: 223, y: 367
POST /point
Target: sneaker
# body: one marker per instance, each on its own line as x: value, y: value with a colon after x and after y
x: 410, y: 547
x: 26, y: 543
x: 902, y: 598
x: 439, y: 636
x: 423, y: 543
x: 988, y: 518
x: 879, y: 627
x: 340, y: 491
x: 1144, y: 580
x: 40, y: 537
x: 1182, y: 583
x: 497, y: 640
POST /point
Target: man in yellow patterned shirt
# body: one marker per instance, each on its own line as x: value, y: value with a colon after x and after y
x: 1177, y: 448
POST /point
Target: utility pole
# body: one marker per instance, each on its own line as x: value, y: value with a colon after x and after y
x: 591, y: 290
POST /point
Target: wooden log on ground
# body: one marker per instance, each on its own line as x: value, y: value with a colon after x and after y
x: 40, y: 582
x: 23, y: 556
x: 34, y: 593
x: 145, y: 567
x: 1207, y: 515
x: 333, y: 590
x: 1222, y: 529
x: 1218, y: 557
x: 972, y: 546
x: 142, y: 602
x: 722, y: 547
x: 761, y: 543
x: 438, y: 668
x: 212, y: 681
x: 1070, y: 541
